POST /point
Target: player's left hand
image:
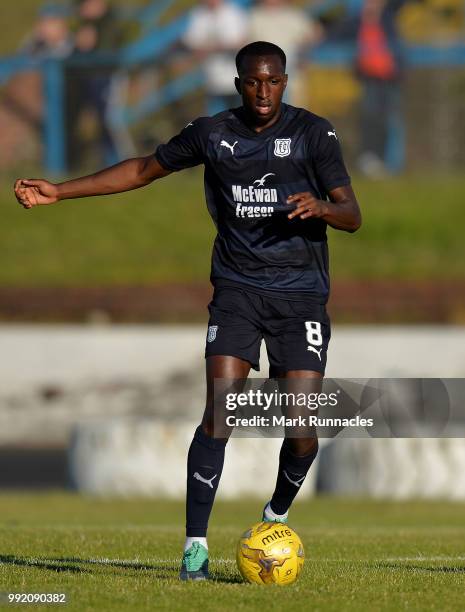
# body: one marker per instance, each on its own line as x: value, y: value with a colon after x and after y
x: 306, y: 206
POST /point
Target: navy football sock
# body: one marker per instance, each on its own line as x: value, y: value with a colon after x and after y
x: 291, y: 474
x: 204, y: 466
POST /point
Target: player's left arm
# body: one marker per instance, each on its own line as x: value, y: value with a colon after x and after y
x: 326, y: 162
x: 342, y: 211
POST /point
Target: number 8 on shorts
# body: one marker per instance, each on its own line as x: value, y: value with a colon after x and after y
x: 314, y: 336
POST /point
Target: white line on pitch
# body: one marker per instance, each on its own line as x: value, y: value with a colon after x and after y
x: 421, y: 558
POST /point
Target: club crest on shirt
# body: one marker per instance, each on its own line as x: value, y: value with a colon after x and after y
x: 282, y: 147
x: 211, y: 336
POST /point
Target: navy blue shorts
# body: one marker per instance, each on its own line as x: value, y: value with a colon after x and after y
x: 296, y: 333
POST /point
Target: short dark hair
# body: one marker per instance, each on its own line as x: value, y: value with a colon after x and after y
x: 259, y: 48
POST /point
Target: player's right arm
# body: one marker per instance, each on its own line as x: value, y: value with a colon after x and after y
x: 127, y: 175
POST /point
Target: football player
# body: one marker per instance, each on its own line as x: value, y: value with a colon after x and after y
x: 274, y: 180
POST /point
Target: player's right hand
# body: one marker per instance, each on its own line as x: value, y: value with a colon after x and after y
x: 35, y: 192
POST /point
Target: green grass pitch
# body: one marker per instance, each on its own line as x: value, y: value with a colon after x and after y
x: 125, y: 554
x: 412, y: 229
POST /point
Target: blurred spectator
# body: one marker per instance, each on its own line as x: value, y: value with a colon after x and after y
x: 98, y: 28
x: 51, y: 36
x: 288, y: 27
x: 215, y: 32
x: 90, y: 88
x: 378, y: 64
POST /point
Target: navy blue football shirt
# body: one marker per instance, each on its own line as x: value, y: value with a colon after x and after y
x: 248, y: 177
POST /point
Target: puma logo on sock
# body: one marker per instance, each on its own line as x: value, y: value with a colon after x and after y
x: 206, y: 481
x: 297, y: 482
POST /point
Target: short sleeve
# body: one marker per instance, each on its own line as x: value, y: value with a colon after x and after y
x: 327, y: 158
x: 186, y: 149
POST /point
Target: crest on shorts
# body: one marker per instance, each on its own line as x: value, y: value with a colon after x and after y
x: 282, y: 147
x: 212, y: 329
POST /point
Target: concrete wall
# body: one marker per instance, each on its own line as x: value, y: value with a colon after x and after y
x: 125, y: 400
x: 69, y: 354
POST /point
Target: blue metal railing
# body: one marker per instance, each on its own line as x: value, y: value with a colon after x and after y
x: 150, y: 48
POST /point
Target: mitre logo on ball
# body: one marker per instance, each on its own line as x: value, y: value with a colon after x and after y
x: 270, y: 553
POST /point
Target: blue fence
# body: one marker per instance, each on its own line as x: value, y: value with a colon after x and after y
x: 154, y: 42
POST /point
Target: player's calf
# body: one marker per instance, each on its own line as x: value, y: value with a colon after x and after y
x: 292, y: 471
x: 204, y: 466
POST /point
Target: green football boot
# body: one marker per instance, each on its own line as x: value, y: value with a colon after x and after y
x: 266, y: 519
x: 195, y: 563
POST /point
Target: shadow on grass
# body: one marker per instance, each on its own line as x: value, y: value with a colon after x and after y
x: 42, y: 564
x: 218, y: 576
x: 72, y: 564
x: 445, y: 569
x: 162, y: 570
x: 171, y: 567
